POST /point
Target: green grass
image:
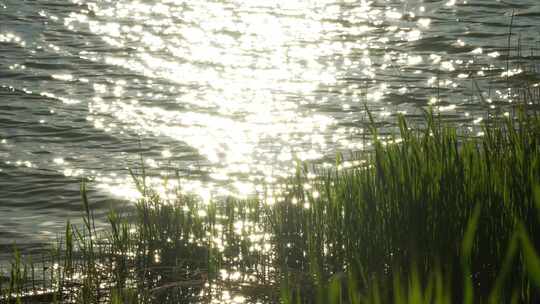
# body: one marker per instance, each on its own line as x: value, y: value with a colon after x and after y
x: 439, y: 217
x: 433, y: 205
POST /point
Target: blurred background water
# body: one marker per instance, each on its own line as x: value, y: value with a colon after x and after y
x: 230, y: 93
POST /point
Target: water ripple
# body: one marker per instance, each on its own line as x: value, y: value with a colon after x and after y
x: 230, y: 93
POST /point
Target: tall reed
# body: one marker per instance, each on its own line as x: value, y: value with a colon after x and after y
x: 430, y: 216
x: 408, y: 211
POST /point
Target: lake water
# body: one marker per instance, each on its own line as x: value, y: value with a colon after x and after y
x: 230, y: 93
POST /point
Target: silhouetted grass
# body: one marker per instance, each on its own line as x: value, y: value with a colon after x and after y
x: 434, y: 209
x: 430, y: 217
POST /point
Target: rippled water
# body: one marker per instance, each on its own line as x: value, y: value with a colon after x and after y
x: 228, y: 92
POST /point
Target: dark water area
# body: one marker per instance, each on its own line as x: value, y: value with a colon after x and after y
x: 230, y: 92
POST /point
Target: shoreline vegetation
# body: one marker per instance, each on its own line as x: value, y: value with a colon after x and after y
x: 434, y: 217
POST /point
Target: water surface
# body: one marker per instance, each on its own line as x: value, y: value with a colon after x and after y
x: 230, y: 93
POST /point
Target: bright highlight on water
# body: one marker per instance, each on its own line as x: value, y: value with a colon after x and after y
x: 243, y: 151
x: 231, y: 93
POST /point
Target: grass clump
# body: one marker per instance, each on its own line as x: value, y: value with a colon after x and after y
x: 434, y: 209
x: 433, y: 217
